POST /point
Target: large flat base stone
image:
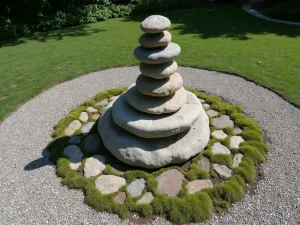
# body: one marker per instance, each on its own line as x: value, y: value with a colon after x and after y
x: 153, y: 153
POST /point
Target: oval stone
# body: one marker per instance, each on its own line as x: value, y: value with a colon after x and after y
x: 156, y: 126
x: 159, y: 71
x: 153, y: 153
x: 157, y: 55
x: 152, y: 105
x: 155, y: 24
x: 158, y: 88
x: 155, y: 40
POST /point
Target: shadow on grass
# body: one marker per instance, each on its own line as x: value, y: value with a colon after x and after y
x: 79, y: 31
x: 221, y: 21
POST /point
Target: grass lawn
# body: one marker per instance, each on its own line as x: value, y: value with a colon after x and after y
x: 219, y: 37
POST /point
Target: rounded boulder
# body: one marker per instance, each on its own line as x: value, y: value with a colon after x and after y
x: 155, y: 24
x: 155, y: 40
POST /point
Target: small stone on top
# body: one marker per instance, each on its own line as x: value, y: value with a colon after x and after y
x: 155, y: 24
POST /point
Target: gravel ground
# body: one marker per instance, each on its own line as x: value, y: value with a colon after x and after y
x: 31, y: 193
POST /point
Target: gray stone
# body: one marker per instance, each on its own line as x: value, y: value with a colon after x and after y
x: 104, y: 102
x: 155, y: 126
x: 75, y: 140
x: 92, y: 143
x: 94, y: 166
x: 153, y: 153
x: 237, y: 159
x: 157, y: 55
x: 206, y: 106
x: 201, y: 100
x: 152, y: 105
x: 74, y: 125
x: 219, y: 134
x: 155, y: 40
x: 163, y: 87
x: 212, y: 113
x: 170, y: 182
x: 159, y: 71
x: 204, y: 164
x: 218, y: 148
x: 222, y: 122
x: 113, y: 98
x: 87, y: 127
x: 198, y: 185
x: 91, y: 109
x: 155, y: 24
x: 235, y: 141
x: 146, y: 198
x: 108, y: 184
x: 120, y: 198
x: 74, y: 155
x: 136, y: 187
x: 223, y: 171
x: 237, y: 130
x: 84, y: 116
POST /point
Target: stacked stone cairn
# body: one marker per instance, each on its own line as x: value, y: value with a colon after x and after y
x: 156, y: 122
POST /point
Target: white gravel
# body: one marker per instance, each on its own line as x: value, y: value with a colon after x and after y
x: 31, y: 193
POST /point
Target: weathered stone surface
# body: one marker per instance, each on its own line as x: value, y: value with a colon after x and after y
x: 197, y: 185
x: 206, y: 106
x: 84, y: 116
x: 92, y: 143
x: 159, y: 71
x: 218, y: 148
x: 75, y: 140
x: 170, y: 182
x: 146, y: 198
x: 95, y: 116
x: 136, y: 187
x: 87, y: 127
x: 120, y: 198
x: 212, y: 113
x: 153, y: 153
x: 113, y: 98
x: 222, y: 122
x: 108, y: 184
x: 237, y: 159
x: 204, y: 164
x: 235, y: 141
x: 155, y: 40
x: 74, y: 125
x: 91, y: 109
x: 74, y: 155
x: 94, y: 165
x: 152, y: 105
x: 155, y: 126
x: 223, y: 171
x: 155, y: 24
x: 157, y: 55
x: 104, y: 102
x: 219, y: 134
x: 163, y: 87
x: 237, y: 130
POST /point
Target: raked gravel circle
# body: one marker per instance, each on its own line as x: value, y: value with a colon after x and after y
x: 31, y: 193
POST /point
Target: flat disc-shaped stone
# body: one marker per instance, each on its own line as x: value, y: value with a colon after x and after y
x: 163, y: 87
x: 157, y: 55
x: 153, y: 153
x: 159, y: 71
x: 155, y: 40
x: 155, y: 126
x: 153, y: 105
x: 155, y: 24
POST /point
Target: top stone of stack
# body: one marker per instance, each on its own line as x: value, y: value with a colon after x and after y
x: 155, y: 24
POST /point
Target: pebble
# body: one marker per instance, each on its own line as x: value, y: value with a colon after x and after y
x: 170, y: 182
x: 104, y: 102
x: 74, y: 125
x: 237, y: 159
x: 108, y: 184
x: 120, y: 198
x: 94, y: 166
x: 136, y: 187
x: 223, y: 171
x: 206, y: 106
x: 204, y: 164
x: 235, y: 141
x: 218, y: 148
x: 146, y: 198
x: 212, y: 113
x: 84, y: 116
x: 197, y: 185
x: 74, y: 155
x: 96, y: 116
x: 91, y: 109
x: 222, y: 122
x: 87, y: 127
x: 237, y: 130
x: 75, y: 140
x: 219, y: 134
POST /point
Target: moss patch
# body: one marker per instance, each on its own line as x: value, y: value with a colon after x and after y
x: 185, y: 207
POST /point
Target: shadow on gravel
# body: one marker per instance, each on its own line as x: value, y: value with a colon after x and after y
x: 38, y: 163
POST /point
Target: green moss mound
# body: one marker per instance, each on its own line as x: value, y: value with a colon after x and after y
x: 184, y: 208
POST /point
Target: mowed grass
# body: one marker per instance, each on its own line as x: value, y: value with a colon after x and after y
x: 217, y: 37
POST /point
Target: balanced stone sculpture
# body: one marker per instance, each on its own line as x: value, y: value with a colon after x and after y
x: 156, y: 122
